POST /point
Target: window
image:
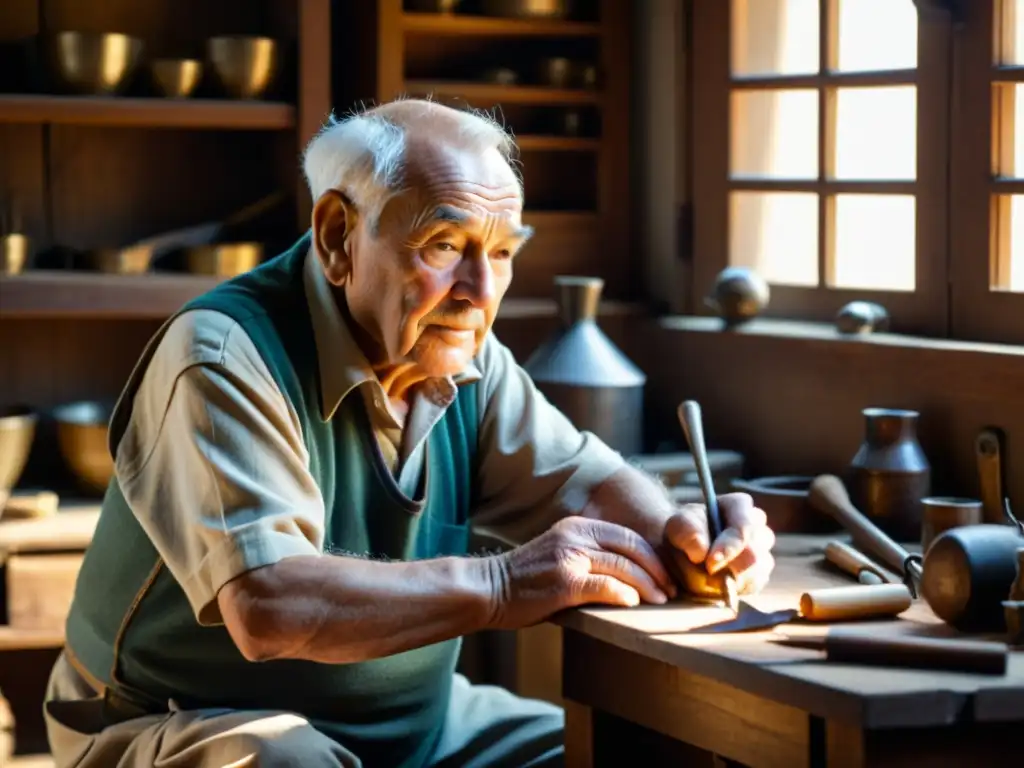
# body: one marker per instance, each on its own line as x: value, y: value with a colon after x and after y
x: 987, y: 174
x: 841, y: 148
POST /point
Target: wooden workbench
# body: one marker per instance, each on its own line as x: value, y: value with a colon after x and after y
x: 744, y: 699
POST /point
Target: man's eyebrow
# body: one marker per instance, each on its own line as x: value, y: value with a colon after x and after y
x: 446, y: 214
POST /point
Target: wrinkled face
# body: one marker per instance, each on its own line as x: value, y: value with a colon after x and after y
x: 425, y: 280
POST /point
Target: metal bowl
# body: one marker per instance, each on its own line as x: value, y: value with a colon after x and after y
x: 14, y: 252
x: 244, y: 66
x: 176, y: 78
x: 223, y: 260
x: 93, y: 63
x: 433, y: 6
x: 82, y: 437
x: 526, y: 9
x: 118, y: 261
x: 17, y: 431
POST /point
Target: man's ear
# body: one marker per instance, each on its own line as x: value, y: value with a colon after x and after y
x: 334, y: 222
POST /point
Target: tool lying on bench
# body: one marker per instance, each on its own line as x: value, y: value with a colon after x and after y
x: 972, y: 656
x: 853, y: 603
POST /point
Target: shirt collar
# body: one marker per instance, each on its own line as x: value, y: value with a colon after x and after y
x: 343, y: 366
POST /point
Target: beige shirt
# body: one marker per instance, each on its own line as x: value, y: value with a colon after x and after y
x: 214, y: 466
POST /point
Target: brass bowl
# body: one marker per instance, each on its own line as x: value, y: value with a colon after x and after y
x: 224, y: 260
x: 14, y: 250
x: 176, y: 78
x: 17, y: 431
x: 91, y: 63
x: 244, y: 66
x: 118, y: 261
x: 82, y: 437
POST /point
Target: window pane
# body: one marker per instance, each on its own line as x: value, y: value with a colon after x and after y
x: 874, y: 242
x: 774, y: 37
x: 1008, y: 272
x: 775, y: 134
x: 1010, y: 31
x: 775, y: 233
x: 877, y: 34
x: 1008, y: 137
x: 876, y: 133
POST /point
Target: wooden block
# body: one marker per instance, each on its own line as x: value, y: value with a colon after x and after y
x: 40, y: 588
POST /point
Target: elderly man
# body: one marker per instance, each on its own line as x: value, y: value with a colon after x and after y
x: 280, y: 572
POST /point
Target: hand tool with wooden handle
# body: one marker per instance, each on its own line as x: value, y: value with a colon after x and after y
x: 856, y: 563
x: 854, y: 603
x: 973, y: 656
x: 988, y: 447
x: 828, y: 494
x: 691, y: 422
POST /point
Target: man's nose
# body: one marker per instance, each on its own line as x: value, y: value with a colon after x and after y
x: 475, y: 280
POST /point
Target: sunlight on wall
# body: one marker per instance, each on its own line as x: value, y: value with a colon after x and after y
x: 775, y: 135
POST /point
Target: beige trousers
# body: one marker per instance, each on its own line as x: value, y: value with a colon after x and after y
x: 486, y: 726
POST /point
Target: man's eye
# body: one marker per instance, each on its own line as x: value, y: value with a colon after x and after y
x: 504, y: 253
x: 445, y: 247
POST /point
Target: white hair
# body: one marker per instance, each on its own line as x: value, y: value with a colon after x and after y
x: 363, y: 153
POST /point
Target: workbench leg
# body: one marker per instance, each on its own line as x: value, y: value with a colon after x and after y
x: 579, y: 735
x: 844, y: 745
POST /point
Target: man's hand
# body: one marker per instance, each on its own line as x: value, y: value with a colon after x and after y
x: 744, y: 548
x: 577, y: 561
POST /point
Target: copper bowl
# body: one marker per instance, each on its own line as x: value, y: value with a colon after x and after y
x: 176, y: 78
x: 82, y: 436
x: 93, y: 63
x: 223, y: 260
x: 17, y: 431
x: 244, y: 66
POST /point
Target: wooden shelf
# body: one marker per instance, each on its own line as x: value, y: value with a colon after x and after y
x: 145, y: 113
x: 455, y: 25
x: 66, y: 294
x: 496, y: 94
x: 29, y: 639
x: 529, y: 143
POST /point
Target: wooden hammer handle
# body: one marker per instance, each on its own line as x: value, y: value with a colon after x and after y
x: 828, y: 494
x: 856, y: 563
x: 984, y: 658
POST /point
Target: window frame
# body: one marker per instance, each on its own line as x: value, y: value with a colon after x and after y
x: 924, y: 311
x: 978, y: 312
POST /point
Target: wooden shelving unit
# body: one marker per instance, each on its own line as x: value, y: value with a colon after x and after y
x: 576, y: 179
x: 476, y: 93
x: 37, y: 109
x: 455, y: 25
x: 99, y: 172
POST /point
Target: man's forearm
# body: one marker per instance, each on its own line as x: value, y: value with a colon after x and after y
x: 337, y: 610
x: 635, y: 500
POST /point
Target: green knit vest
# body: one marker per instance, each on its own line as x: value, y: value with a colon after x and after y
x: 132, y: 628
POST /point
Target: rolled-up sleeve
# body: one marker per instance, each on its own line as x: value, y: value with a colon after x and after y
x: 212, y: 462
x: 535, y: 467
